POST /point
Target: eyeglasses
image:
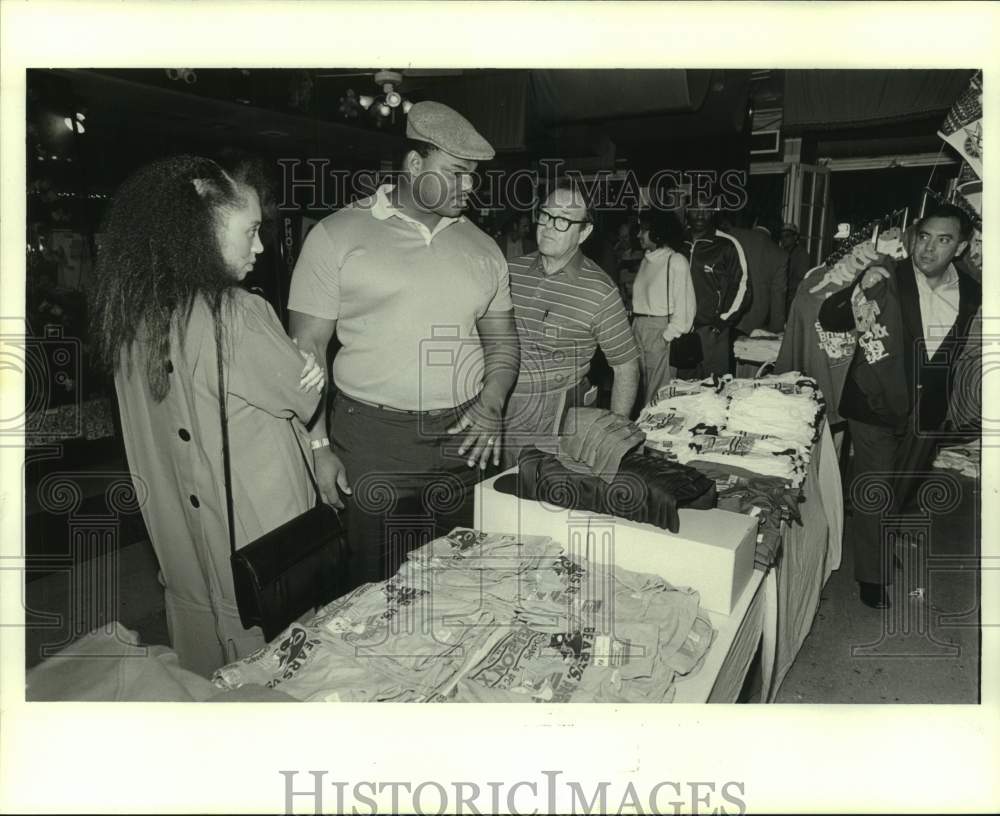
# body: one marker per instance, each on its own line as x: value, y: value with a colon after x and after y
x: 560, y: 223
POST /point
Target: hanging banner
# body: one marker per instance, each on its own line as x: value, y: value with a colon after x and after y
x: 963, y: 127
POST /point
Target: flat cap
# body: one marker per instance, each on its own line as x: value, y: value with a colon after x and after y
x: 788, y: 226
x: 447, y: 129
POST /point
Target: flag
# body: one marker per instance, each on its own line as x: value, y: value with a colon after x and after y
x: 963, y: 127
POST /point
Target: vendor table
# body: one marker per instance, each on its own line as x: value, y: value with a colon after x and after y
x: 774, y: 611
x: 809, y: 554
x: 786, y: 597
x: 777, y: 608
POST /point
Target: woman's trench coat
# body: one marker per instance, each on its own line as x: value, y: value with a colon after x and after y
x: 174, y: 451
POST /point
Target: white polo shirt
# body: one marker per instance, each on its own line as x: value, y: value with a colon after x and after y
x: 406, y: 300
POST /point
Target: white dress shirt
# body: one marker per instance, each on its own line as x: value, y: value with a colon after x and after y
x: 938, y: 307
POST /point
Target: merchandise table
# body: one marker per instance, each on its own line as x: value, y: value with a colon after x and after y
x: 776, y: 607
x: 784, y: 600
x: 810, y: 553
x: 774, y: 610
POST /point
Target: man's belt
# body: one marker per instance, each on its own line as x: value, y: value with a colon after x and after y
x: 392, y: 410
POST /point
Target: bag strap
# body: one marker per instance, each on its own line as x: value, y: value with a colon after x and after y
x: 226, y: 466
x: 309, y: 470
x: 670, y: 257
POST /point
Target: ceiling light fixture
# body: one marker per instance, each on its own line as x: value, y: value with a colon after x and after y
x: 185, y: 74
x: 390, y: 99
x: 75, y: 123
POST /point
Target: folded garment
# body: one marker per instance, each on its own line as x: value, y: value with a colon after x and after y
x: 962, y: 458
x: 770, y: 490
x: 767, y: 411
x: 757, y: 349
x: 646, y: 489
x: 594, y: 441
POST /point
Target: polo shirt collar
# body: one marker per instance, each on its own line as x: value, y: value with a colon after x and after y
x: 382, y: 209
x: 574, y: 265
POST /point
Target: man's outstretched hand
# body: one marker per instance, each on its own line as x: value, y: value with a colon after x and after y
x: 331, y: 476
x: 483, y: 426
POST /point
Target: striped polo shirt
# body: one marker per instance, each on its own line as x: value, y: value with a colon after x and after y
x: 562, y: 318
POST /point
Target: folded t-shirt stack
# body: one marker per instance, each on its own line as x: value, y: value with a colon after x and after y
x: 678, y: 413
x: 763, y: 455
x: 593, y: 441
x: 766, y: 425
x: 758, y: 348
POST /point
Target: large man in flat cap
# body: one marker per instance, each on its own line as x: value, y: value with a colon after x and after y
x: 419, y: 299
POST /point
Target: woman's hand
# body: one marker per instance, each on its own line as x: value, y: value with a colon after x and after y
x: 312, y: 375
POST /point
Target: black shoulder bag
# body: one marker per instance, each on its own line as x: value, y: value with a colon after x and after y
x: 685, y: 351
x: 296, y: 567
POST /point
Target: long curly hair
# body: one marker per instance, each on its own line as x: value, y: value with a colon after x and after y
x: 159, y: 251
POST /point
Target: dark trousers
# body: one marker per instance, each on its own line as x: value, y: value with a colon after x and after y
x: 884, y: 478
x: 409, y: 483
x: 716, y: 351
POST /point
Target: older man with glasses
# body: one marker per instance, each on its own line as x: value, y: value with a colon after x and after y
x: 565, y: 307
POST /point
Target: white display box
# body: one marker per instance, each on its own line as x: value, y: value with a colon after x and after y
x: 713, y: 552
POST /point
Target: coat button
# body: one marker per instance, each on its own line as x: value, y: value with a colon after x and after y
x: 183, y: 434
x: 170, y: 367
x: 194, y: 501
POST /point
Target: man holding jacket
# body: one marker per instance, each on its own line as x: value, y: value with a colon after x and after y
x: 913, y: 318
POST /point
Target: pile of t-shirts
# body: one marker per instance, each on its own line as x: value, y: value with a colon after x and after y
x: 768, y: 498
x: 787, y: 412
x: 681, y: 409
x: 761, y: 454
x: 765, y: 426
x: 486, y: 617
x: 759, y: 347
x: 963, y: 458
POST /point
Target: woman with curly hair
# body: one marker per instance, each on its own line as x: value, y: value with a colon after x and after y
x: 179, y: 237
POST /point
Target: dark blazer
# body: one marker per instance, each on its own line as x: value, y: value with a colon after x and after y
x: 924, y: 384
